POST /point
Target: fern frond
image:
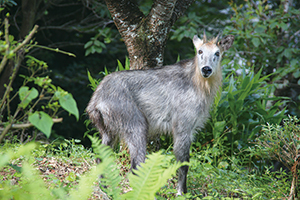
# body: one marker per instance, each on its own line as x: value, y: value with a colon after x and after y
x: 151, y: 176
x: 111, y: 177
x: 86, y: 184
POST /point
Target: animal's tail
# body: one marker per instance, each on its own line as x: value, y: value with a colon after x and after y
x: 94, y: 114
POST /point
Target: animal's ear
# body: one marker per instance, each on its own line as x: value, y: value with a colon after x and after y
x: 197, y: 42
x: 226, y: 42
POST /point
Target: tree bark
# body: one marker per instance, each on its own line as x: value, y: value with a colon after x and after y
x: 145, y: 36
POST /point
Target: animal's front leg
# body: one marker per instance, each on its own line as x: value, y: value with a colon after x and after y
x: 182, y: 145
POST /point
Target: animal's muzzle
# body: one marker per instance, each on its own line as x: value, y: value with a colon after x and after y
x: 206, y: 71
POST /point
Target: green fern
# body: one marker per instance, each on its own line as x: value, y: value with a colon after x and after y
x: 151, y: 176
x: 86, y: 184
x: 111, y: 177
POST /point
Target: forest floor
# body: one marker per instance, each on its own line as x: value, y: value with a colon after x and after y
x: 63, y: 167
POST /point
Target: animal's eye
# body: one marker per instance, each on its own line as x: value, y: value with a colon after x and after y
x: 200, y: 51
x: 217, y: 53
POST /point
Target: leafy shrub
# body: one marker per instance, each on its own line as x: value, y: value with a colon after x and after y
x: 239, y: 112
x: 39, y: 100
x: 267, y: 36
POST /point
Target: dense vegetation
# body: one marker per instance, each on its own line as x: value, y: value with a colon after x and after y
x: 249, y: 148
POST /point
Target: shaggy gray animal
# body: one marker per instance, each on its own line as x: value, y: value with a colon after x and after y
x: 175, y: 99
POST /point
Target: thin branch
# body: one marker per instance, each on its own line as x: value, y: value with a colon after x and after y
x: 26, y: 40
x: 27, y: 125
x: 4, y: 60
x: 56, y: 50
x: 21, y: 126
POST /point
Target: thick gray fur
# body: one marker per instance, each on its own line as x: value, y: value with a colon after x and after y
x: 138, y: 104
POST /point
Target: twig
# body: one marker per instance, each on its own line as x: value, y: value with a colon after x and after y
x: 27, y: 125
x: 56, y: 50
x: 4, y: 60
x: 21, y: 126
x: 26, y: 40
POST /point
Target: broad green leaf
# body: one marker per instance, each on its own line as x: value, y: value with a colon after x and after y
x: 97, y: 43
x: 42, y: 121
x: 218, y: 128
x: 67, y: 102
x: 88, y: 44
x: 26, y: 95
x: 283, y: 26
x: 98, y: 50
x: 88, y: 52
x: 255, y: 42
x: 260, y: 29
x: 287, y: 53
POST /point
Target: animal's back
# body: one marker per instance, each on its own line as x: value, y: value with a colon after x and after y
x: 162, y: 97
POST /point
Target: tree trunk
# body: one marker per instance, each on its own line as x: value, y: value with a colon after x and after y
x: 145, y: 36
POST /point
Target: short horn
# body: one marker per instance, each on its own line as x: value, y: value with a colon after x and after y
x: 219, y: 36
x: 215, y: 41
x: 204, y: 37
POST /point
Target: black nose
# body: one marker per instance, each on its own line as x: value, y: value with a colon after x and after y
x: 206, y: 71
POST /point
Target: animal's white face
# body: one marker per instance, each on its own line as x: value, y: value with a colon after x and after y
x: 209, y: 53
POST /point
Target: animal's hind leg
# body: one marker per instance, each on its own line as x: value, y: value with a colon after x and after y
x: 106, y: 137
x: 135, y: 134
x: 137, y: 147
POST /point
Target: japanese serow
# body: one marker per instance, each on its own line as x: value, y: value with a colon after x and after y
x: 175, y: 99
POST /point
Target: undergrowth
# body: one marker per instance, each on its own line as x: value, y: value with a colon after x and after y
x: 68, y: 171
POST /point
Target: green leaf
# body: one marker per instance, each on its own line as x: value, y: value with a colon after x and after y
x: 42, y: 121
x: 88, y: 52
x: 88, y: 44
x: 273, y: 25
x: 93, y: 83
x: 106, y: 71
x: 127, y: 63
x: 283, y: 26
x: 120, y: 66
x: 98, y: 50
x: 26, y: 95
x: 260, y: 29
x: 287, y: 53
x: 255, y: 42
x: 296, y: 74
x: 97, y: 43
x: 15, y: 167
x: 67, y: 102
x: 218, y: 128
